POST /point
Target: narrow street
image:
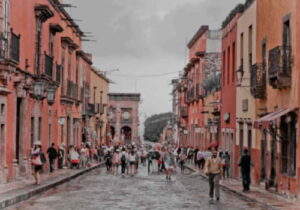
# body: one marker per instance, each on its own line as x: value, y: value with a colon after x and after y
x: 99, y: 190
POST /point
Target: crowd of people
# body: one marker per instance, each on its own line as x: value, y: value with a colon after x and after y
x: 125, y: 159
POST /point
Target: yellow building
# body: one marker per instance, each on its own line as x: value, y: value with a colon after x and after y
x: 97, y: 107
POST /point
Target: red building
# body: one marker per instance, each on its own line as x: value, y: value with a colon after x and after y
x: 228, y: 93
x: 44, y: 77
x: 203, y: 68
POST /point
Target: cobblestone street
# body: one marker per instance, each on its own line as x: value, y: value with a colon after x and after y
x: 98, y: 190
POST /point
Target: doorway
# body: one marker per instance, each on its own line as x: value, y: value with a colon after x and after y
x: 263, y: 155
x: 18, y: 129
x: 272, y: 181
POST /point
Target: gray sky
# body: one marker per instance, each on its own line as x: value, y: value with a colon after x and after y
x: 145, y: 37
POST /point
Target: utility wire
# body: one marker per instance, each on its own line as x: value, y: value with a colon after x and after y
x: 146, y: 75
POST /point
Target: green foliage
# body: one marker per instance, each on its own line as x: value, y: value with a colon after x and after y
x: 155, y: 125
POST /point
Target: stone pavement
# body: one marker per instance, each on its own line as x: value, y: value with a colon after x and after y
x: 23, y: 189
x: 99, y: 190
x: 256, y: 194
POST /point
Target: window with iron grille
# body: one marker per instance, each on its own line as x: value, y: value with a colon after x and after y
x: 15, y: 47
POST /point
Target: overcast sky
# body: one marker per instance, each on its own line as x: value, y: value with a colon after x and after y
x: 145, y: 37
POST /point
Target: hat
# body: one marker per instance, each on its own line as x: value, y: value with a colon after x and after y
x: 37, y: 143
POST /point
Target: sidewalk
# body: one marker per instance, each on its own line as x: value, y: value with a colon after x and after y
x: 256, y: 194
x: 18, y: 191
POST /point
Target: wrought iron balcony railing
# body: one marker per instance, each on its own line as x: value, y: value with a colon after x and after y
x: 258, y: 80
x: 183, y: 112
x: 280, y: 67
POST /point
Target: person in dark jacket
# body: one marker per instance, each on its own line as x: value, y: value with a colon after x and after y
x: 245, y: 164
x: 52, y: 155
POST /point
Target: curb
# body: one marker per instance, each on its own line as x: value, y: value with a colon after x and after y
x: 240, y: 194
x: 22, y: 196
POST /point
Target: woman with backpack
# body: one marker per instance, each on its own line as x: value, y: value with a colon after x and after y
x: 38, y: 160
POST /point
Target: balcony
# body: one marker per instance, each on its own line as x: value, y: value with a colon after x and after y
x: 91, y: 109
x: 72, y: 90
x: 258, y: 80
x: 15, y: 48
x: 48, y: 66
x: 280, y: 67
x: 183, y: 112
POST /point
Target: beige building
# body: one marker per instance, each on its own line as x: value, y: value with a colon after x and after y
x: 98, y: 102
x: 245, y: 102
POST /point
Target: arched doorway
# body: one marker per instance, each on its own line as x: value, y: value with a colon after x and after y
x: 126, y: 134
x: 112, y: 132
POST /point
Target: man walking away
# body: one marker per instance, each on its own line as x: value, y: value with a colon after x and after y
x: 52, y: 155
x: 245, y: 164
x: 213, y: 169
x: 123, y: 160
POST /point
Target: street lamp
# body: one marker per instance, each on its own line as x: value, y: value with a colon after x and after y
x: 51, y: 95
x: 38, y: 90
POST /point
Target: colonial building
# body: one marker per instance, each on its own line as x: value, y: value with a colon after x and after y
x: 276, y: 89
x: 246, y: 64
x: 45, y: 80
x: 123, y: 114
x: 201, y: 79
x: 229, y: 83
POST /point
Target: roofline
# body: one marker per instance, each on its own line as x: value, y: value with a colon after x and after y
x: 199, y: 33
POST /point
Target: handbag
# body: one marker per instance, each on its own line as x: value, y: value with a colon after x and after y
x: 36, y: 161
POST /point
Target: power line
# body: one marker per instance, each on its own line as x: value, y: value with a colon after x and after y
x: 146, y: 75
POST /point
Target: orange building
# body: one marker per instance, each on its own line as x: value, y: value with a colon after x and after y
x: 200, y: 79
x: 277, y: 51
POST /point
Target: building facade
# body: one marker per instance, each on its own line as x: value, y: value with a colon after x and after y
x: 45, y: 76
x: 123, y: 115
x: 246, y: 63
x: 228, y: 94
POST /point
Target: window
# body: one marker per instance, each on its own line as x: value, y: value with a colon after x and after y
x: 250, y: 46
x: 233, y: 62
x: 242, y: 51
x: 224, y: 67
x: 77, y: 70
x: 31, y: 131
x: 228, y: 65
x: 70, y: 65
x: 51, y: 44
x: 40, y: 129
x: 38, y: 44
x: 2, y: 109
x: 49, y: 134
x: 63, y: 54
x: 287, y: 46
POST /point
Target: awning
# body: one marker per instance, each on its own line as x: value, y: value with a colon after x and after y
x: 265, y: 121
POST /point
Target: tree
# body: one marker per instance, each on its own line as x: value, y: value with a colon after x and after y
x: 154, y: 126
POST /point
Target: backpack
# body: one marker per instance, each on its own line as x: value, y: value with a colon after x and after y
x: 123, y: 159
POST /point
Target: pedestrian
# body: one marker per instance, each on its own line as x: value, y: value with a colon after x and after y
x: 116, y: 161
x: 123, y: 161
x: 150, y: 160
x: 108, y: 161
x: 226, y: 164
x: 52, y: 155
x: 196, y: 161
x: 200, y: 159
x: 169, y: 161
x: 61, y: 156
x: 74, y: 158
x: 83, y: 158
x: 100, y: 153
x: 132, y: 162
x: 38, y: 159
x: 182, y: 159
x: 213, y: 169
x: 245, y: 164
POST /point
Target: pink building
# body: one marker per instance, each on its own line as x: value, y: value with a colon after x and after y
x: 123, y: 114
